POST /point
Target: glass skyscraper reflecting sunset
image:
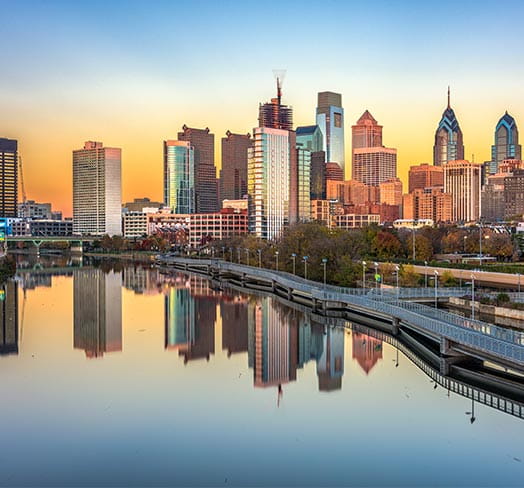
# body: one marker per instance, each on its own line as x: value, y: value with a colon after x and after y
x: 330, y: 119
x: 179, y: 176
x: 449, y: 145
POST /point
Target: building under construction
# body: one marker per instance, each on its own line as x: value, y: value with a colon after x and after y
x: 274, y: 114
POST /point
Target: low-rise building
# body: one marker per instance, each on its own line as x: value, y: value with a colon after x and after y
x: 355, y: 221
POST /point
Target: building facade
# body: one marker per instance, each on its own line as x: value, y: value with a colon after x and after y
x: 33, y: 210
x: 233, y: 175
x: 269, y: 165
x: 366, y: 132
x: 330, y: 120
x: 8, y: 177
x: 139, y: 204
x: 203, y: 143
x: 355, y: 221
x: 462, y: 180
x: 428, y: 203
x: 274, y: 115
x: 97, y: 202
x: 374, y: 165
x: 179, y: 176
x: 514, y: 195
x: 493, y: 198
x: 390, y: 191
x: 449, y: 145
x: 506, y: 144
x: 425, y: 176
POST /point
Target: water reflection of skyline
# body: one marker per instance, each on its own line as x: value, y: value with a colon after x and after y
x: 9, y: 318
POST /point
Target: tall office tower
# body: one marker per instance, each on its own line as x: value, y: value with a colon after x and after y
x: 233, y: 175
x: 274, y: 115
x: 299, y: 184
x: 334, y: 172
x: 203, y: 144
x: 492, y: 198
x: 425, y: 176
x: 449, y: 145
x: 269, y: 168
x: 310, y: 137
x: 179, y: 176
x: 506, y: 143
x: 366, y: 132
x: 317, y: 189
x: 462, y: 181
x: 330, y: 364
x: 97, y: 190
x: 374, y: 165
x: 391, y: 191
x: 372, y: 162
x: 428, y: 203
x: 97, y: 311
x: 514, y: 194
x: 330, y: 119
x: 8, y: 177
x: 9, y: 318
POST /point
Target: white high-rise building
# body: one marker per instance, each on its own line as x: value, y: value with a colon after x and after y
x: 269, y: 182
x: 462, y: 180
x: 97, y: 190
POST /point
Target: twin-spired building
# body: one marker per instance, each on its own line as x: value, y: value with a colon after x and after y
x: 97, y: 190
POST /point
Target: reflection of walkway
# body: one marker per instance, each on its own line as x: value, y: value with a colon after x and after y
x: 9, y: 318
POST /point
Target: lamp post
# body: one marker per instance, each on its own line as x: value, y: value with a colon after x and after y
x: 426, y: 274
x: 376, y: 273
x: 519, y: 282
x: 464, y: 245
x: 305, y: 258
x: 259, y: 257
x: 276, y: 263
x: 364, y: 264
x: 397, y: 269
x: 473, y: 296
x: 247, y: 256
x: 213, y: 252
x: 294, y: 257
x: 324, y: 263
x: 436, y: 288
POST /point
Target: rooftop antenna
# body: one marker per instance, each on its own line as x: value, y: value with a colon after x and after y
x: 279, y: 75
x: 449, y: 102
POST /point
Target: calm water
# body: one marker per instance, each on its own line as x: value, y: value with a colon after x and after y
x: 129, y: 377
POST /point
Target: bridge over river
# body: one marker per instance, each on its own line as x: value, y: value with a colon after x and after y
x: 393, y: 310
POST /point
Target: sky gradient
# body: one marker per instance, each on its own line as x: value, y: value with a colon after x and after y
x: 131, y: 74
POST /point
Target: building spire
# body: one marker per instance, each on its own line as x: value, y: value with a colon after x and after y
x: 449, y: 102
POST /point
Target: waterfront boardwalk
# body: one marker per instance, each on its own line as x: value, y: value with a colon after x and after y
x: 393, y: 310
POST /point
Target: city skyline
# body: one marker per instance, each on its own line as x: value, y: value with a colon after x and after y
x: 127, y: 108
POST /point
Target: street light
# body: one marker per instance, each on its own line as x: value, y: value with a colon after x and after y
x: 294, y: 257
x: 259, y: 257
x: 426, y: 273
x: 324, y: 263
x: 276, y: 256
x: 376, y: 273
x: 305, y: 258
x: 397, y: 269
x: 480, y: 243
x: 223, y: 253
x: 473, y: 296
x: 213, y: 252
x: 414, y: 254
x: 364, y: 264
x: 436, y: 288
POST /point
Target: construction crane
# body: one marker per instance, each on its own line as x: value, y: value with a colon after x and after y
x: 22, y: 186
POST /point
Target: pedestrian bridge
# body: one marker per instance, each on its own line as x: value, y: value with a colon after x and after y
x: 457, y: 337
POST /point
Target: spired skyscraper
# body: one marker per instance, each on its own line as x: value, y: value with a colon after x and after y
x: 506, y: 142
x: 330, y: 119
x: 449, y: 145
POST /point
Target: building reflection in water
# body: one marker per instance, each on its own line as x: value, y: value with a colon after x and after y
x: 366, y: 350
x: 190, y: 316
x: 9, y: 318
x: 234, y: 313
x: 330, y: 364
x: 97, y: 311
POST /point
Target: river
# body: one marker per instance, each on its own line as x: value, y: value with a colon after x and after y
x: 121, y: 375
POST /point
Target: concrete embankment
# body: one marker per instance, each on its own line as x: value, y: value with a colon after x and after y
x: 500, y: 315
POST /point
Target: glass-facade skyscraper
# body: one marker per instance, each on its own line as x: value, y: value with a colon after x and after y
x: 506, y: 144
x: 310, y: 137
x: 179, y: 177
x: 449, y: 145
x: 330, y: 119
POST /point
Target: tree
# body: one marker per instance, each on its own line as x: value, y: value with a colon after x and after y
x: 447, y: 279
x: 408, y: 276
x: 499, y: 245
x: 386, y: 246
x: 423, y: 248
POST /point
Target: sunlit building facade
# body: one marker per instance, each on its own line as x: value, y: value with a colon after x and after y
x: 330, y: 119
x: 462, y: 180
x: 269, y: 164
x: 233, y: 175
x: 179, y: 177
x: 97, y: 190
x: 374, y: 165
x: 449, y: 145
x: 425, y: 176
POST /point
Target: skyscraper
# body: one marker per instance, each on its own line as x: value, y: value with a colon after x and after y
x: 97, y: 187
x: 449, y: 145
x: 425, y: 176
x: 274, y: 115
x: 97, y: 305
x: 372, y: 162
x: 179, y: 176
x: 203, y: 143
x: 330, y: 119
x: 462, y: 181
x: 269, y: 166
x: 299, y: 183
x: 506, y: 143
x: 233, y: 175
x: 310, y: 138
x: 8, y: 177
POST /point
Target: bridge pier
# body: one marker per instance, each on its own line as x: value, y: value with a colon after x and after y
x: 77, y: 248
x: 395, y: 326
